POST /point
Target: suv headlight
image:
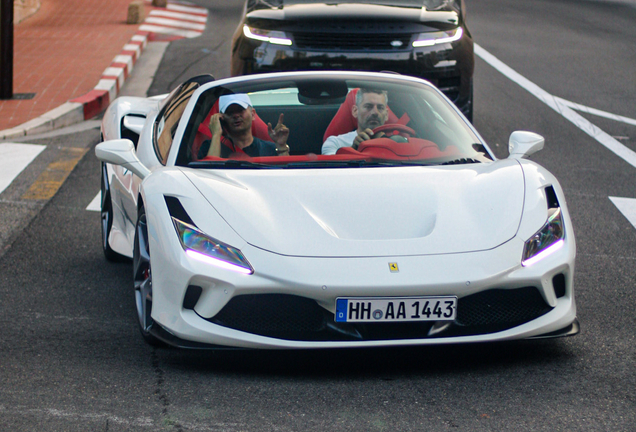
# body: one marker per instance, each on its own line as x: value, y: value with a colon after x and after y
x: 271, y: 36
x: 439, y: 37
x: 204, y: 248
x: 547, y: 240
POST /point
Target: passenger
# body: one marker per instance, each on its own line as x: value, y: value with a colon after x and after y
x: 371, y: 111
x: 235, y: 136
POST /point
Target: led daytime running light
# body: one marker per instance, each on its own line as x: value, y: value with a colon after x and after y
x: 217, y: 262
x: 436, y: 41
x: 544, y: 253
x: 274, y: 40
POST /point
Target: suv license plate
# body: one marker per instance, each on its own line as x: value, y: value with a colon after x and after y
x: 396, y: 309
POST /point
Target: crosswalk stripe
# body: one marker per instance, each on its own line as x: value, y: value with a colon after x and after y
x: 170, y: 31
x: 14, y: 158
x: 627, y: 206
x: 175, y: 23
x: 188, y: 9
x: 177, y: 15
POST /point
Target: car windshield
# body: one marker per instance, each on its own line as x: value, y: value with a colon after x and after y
x: 413, y: 124
x: 428, y: 4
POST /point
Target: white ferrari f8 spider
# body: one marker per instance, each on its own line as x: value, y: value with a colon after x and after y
x: 415, y: 234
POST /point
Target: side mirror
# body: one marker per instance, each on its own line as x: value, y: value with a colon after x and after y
x: 522, y: 144
x: 121, y: 152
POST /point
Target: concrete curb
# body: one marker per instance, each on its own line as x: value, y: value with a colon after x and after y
x: 162, y: 24
x: 92, y: 103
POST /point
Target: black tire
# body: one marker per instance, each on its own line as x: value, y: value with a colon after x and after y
x: 107, y: 220
x: 142, y: 275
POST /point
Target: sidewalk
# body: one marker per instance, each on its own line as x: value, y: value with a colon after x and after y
x: 74, y: 55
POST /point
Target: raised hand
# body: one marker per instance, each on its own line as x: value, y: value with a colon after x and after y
x: 215, y: 124
x: 280, y: 133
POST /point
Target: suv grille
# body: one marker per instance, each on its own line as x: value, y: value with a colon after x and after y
x: 352, y: 41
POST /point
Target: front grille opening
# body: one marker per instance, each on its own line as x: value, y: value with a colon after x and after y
x: 558, y: 282
x: 292, y: 317
x: 501, y: 307
x: 273, y: 315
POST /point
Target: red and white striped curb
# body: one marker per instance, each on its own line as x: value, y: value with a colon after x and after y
x: 176, y: 21
x: 113, y: 77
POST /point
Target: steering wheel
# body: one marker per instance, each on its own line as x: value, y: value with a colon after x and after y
x: 396, y: 128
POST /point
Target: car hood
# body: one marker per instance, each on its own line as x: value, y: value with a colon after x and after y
x: 363, y: 212
x: 408, y: 11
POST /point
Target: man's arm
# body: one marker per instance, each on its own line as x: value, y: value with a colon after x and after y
x: 333, y: 143
x: 279, y: 136
x: 217, y: 131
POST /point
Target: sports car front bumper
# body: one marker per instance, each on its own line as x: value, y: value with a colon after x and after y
x: 289, y: 301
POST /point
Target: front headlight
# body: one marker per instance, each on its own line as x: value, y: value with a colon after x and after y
x: 436, y: 38
x: 546, y: 241
x: 204, y: 248
x: 271, y: 36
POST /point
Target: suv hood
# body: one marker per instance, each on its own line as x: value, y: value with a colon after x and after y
x: 406, y: 11
x: 363, y: 212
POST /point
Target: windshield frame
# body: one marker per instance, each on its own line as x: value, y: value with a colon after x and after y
x: 274, y: 81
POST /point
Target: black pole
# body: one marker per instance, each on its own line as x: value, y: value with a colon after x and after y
x: 6, y: 49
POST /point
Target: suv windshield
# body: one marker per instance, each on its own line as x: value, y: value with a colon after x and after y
x: 428, y: 4
x: 404, y: 123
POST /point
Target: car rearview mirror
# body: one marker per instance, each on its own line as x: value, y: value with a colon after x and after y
x: 121, y: 152
x: 523, y: 144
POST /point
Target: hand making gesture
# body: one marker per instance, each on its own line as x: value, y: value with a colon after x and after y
x: 279, y: 135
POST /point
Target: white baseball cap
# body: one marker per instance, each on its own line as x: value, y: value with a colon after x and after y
x: 240, y: 99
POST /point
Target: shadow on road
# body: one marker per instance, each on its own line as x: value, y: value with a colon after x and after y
x: 390, y: 363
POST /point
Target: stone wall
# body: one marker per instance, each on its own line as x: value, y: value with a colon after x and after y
x: 22, y: 9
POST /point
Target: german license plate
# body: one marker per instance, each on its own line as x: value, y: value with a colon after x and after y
x: 396, y: 309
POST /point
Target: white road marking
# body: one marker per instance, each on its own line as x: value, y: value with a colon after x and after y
x: 560, y: 107
x: 599, y: 113
x: 627, y: 206
x: 175, y: 23
x: 170, y: 31
x: 75, y: 416
x: 14, y: 158
x: 96, y: 204
x: 187, y: 9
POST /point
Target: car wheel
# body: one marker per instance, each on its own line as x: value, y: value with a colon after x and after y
x: 143, y: 280
x: 107, y: 219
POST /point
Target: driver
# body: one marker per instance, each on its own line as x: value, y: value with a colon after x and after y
x: 371, y: 111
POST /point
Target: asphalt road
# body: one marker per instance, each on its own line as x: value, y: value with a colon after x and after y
x: 71, y: 358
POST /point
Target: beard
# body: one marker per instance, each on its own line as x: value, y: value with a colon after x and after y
x: 372, y: 122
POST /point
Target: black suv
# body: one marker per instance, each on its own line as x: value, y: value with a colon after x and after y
x: 423, y: 38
